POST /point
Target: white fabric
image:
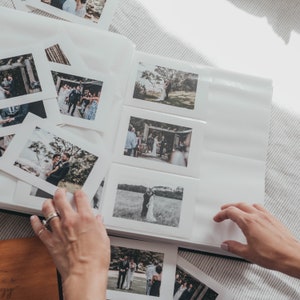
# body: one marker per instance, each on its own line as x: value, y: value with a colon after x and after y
x: 280, y: 20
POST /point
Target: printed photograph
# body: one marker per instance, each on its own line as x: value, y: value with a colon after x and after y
x: 55, y: 54
x: 165, y: 86
x: 90, y: 10
x: 135, y: 271
x: 55, y: 160
x: 18, y: 76
x: 152, y: 204
x: 14, y: 115
x: 4, y: 142
x: 77, y: 96
x: 158, y: 141
x: 187, y: 287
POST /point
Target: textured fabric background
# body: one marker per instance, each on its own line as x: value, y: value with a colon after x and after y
x: 282, y: 190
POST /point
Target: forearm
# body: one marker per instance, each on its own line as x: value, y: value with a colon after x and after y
x: 85, y: 286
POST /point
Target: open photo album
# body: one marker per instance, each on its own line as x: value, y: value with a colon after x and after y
x: 157, y: 144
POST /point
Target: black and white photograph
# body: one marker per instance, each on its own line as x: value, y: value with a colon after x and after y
x: 95, y: 13
x: 148, y: 201
x: 24, y: 77
x: 142, y: 272
x: 158, y: 141
x: 6, y: 136
x: 49, y: 157
x: 166, y: 86
x: 190, y: 283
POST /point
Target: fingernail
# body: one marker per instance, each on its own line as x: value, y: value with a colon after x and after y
x: 33, y: 217
x: 224, y: 246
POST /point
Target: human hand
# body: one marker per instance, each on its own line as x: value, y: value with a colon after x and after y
x: 269, y: 242
x: 78, y: 244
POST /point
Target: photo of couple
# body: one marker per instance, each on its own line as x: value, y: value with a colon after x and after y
x: 166, y: 86
x: 77, y: 96
x: 158, y: 141
x: 186, y: 287
x: 156, y: 204
x: 135, y: 271
x: 18, y: 76
x: 55, y: 160
x: 87, y: 9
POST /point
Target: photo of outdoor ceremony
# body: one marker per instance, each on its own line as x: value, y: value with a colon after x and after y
x: 153, y: 204
x: 18, y: 76
x: 165, y: 86
x: 87, y: 9
x: 135, y: 271
x: 187, y: 287
x: 158, y: 141
x: 55, y: 160
x: 77, y: 96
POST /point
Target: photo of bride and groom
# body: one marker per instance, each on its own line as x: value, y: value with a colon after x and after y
x: 156, y: 204
x: 164, y: 85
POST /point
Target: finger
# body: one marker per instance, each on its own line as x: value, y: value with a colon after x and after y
x: 236, y: 248
x: 39, y: 229
x: 82, y: 202
x: 240, y: 205
x: 260, y: 207
x: 233, y: 213
x: 61, y: 203
x: 48, y: 209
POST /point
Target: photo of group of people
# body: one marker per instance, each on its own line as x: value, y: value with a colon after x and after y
x: 77, y: 96
x: 87, y: 9
x: 155, y: 204
x: 18, y: 76
x: 158, y: 141
x: 164, y: 85
x: 135, y: 271
x: 55, y: 160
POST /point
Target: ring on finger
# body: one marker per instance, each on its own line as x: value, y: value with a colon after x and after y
x: 51, y: 216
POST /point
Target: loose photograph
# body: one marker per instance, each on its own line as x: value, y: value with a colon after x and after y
x: 157, y: 141
x: 167, y: 86
x: 191, y: 283
x: 49, y: 157
x: 77, y: 97
x: 141, y: 271
x: 6, y: 136
x: 18, y: 76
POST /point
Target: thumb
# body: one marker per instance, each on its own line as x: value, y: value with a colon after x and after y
x: 235, y: 248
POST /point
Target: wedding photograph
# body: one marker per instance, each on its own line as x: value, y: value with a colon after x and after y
x: 135, y: 271
x: 18, y: 76
x: 55, y: 160
x: 157, y: 141
x: 187, y: 287
x: 167, y: 86
x: 77, y: 96
x: 152, y: 204
x: 88, y: 10
x: 14, y: 115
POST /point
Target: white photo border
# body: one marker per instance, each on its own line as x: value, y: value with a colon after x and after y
x: 196, y: 146
x: 120, y: 174
x: 42, y: 69
x: 103, y: 22
x: 169, y: 267
x: 199, y: 111
x: 20, y: 139
x: 106, y: 101
x: 223, y: 294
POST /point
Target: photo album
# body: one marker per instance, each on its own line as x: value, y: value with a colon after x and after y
x: 157, y: 144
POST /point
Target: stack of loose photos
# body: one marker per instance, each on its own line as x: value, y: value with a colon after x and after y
x: 150, y: 182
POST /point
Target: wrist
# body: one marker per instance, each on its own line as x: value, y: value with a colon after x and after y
x: 290, y: 264
x: 85, y: 285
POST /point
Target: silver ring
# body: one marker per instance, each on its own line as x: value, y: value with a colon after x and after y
x: 50, y: 217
